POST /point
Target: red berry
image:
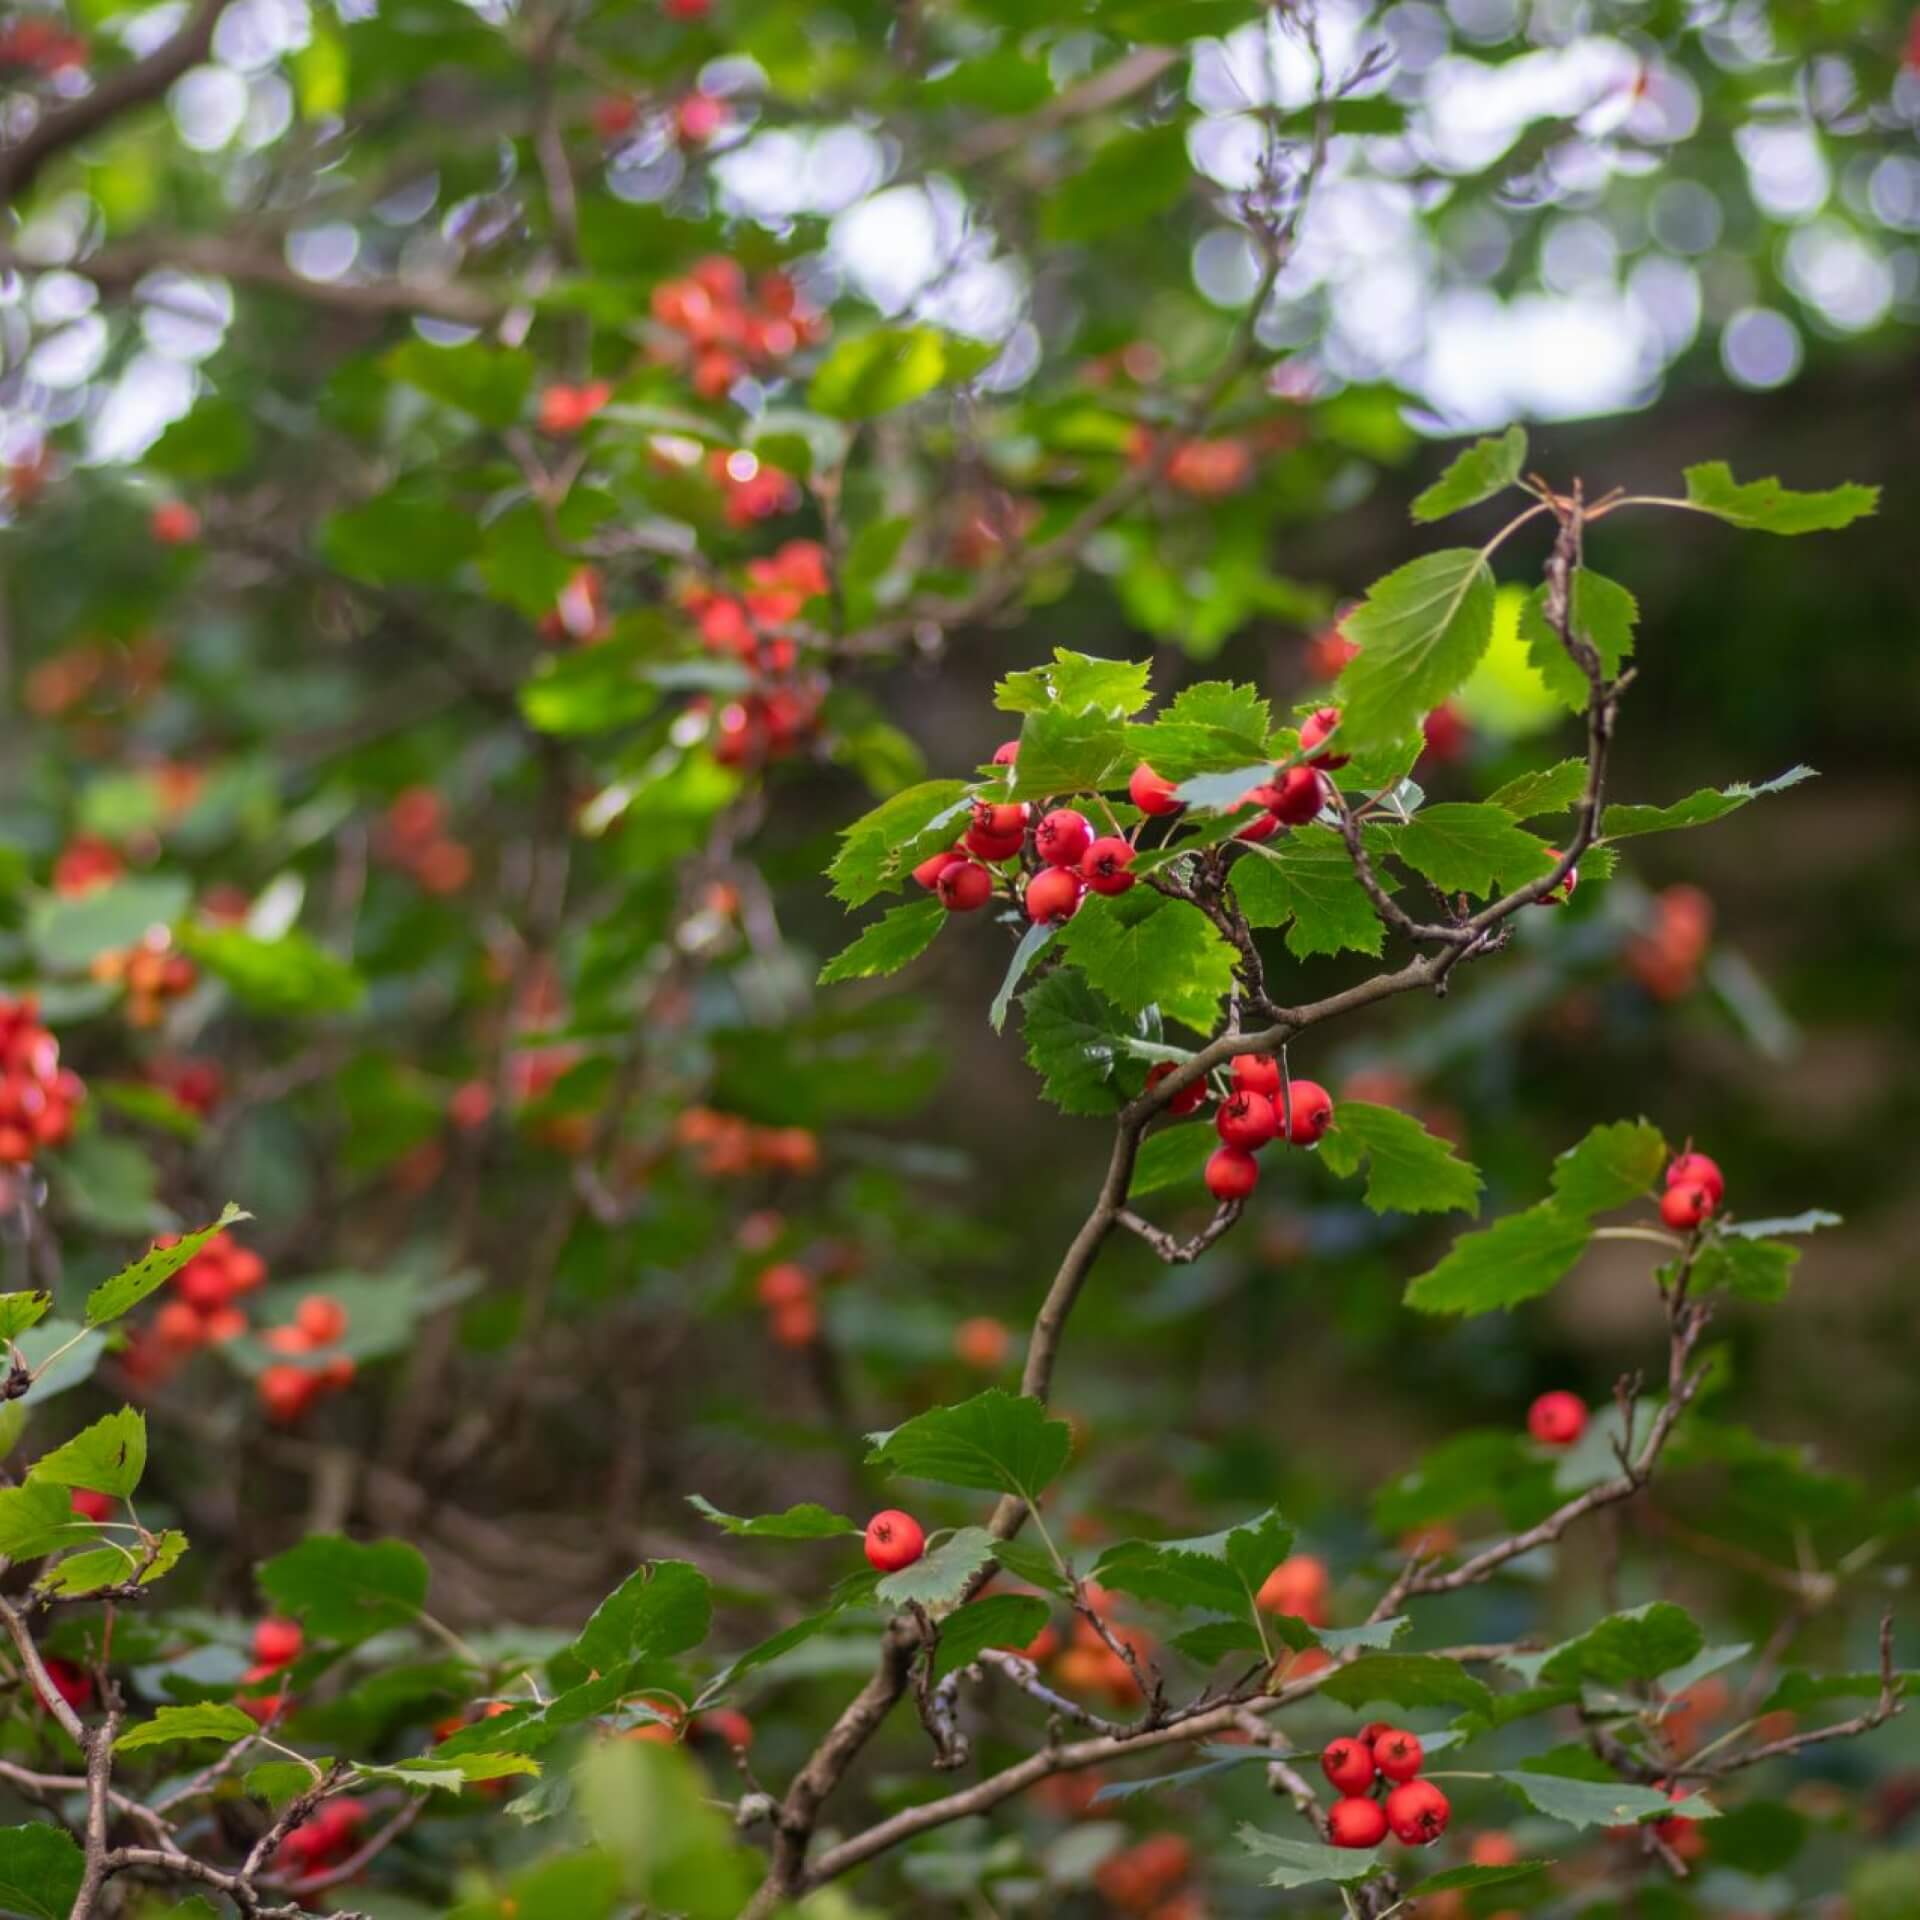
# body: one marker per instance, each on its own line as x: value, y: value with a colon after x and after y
x: 1256, y: 1073
x: 783, y: 1285
x: 1696, y: 1170
x: 1063, y: 837
x: 1150, y: 793
x: 1232, y: 1173
x: 964, y: 887
x: 1107, y: 865
x: 275, y: 1642
x: 1354, y: 1822
x: 1187, y: 1099
x: 1397, y: 1754
x: 1349, y: 1765
x: 1557, y: 1419
x: 72, y: 1683
x: 927, y: 873
x: 1006, y: 753
x: 1263, y: 826
x: 1001, y: 818
x: 174, y: 523
x: 1053, y: 895
x: 1418, y: 1813
x: 1564, y: 891
x: 1686, y: 1207
x: 1301, y: 794
x: 1306, y: 1109
x: 321, y: 1318
x: 1315, y: 729
x: 90, y: 1505
x: 1374, y: 1729
x: 894, y: 1540
x: 1246, y: 1120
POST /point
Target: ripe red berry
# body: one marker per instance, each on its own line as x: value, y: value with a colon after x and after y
x: 927, y: 873
x: 1186, y: 1100
x: 1232, y: 1173
x: 1397, y: 1754
x: 964, y: 887
x: 1564, y: 891
x: 1256, y: 1073
x: 1246, y: 1120
x: 1301, y: 794
x: 894, y: 1540
x: 1418, y: 1813
x: 1053, y: 895
x: 1314, y: 729
x: 1354, y: 1822
x: 89, y: 1505
x: 275, y: 1642
x: 1006, y: 753
x: 1349, y: 1765
x: 1685, y: 1207
x: 1374, y: 1729
x: 1306, y: 1108
x: 1557, y: 1419
x: 1107, y: 865
x: 1263, y: 826
x: 1150, y: 793
x: 997, y: 832
x: 1696, y: 1170
x: 1063, y: 837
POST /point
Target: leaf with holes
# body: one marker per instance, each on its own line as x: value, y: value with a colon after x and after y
x: 121, y: 1294
x: 19, y: 1311
x: 107, y: 1457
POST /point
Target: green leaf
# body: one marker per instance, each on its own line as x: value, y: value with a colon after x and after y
x: 804, y: 1522
x: 41, y: 1869
x: 1797, y: 1692
x: 1515, y: 1259
x: 1421, y: 632
x: 38, y: 1518
x: 1408, y: 1680
x: 1465, y: 1879
x: 1409, y: 1170
x: 1226, y: 705
x: 1626, y: 1647
x: 998, y: 1442
x: 1039, y: 935
x: 1184, y: 752
x: 900, y: 935
x: 404, y: 537
x: 1596, y: 1803
x: 1213, y: 1640
x: 1470, y: 1471
x: 1464, y: 847
x: 1027, y: 1560
x: 940, y: 1576
x: 1307, y: 877
x: 209, y: 443
x: 1142, y: 950
x: 1219, y: 1572
x: 1009, y: 1620
x: 1077, y: 683
x: 1765, y: 506
x: 111, y: 1565
x: 19, y: 1311
x: 1487, y: 467
x: 872, y: 851
x: 1172, y: 1157
x: 1698, y: 809
x: 347, y: 1590
x: 429, y: 1773
x: 1066, y: 752
x: 594, y: 689
x: 660, y: 1609
x: 206, y: 1720
x: 68, y: 935
x: 1074, y: 1038
x: 1604, y: 615
x: 873, y: 373
x: 1611, y: 1166
x: 131, y: 1285
x: 293, y: 976
x: 1545, y: 790
x: 1305, y: 1863
x: 490, y: 383
x: 1227, y: 1758
x: 107, y: 1457
x: 1131, y: 178
x: 1760, y: 1270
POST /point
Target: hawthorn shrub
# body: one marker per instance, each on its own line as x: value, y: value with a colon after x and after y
x: 473, y: 502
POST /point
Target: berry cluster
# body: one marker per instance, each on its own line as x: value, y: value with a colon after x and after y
x: 276, y: 1645
x: 1666, y: 957
x: 82, y: 682
x: 324, y: 1839
x: 86, y: 864
x: 152, y: 973
x: 1145, y: 1877
x: 36, y: 44
x: 413, y: 838
x: 791, y: 1297
x: 1261, y: 1105
x: 287, y: 1388
x: 750, y: 487
x: 728, y: 1145
x: 1207, y: 469
x: 721, y: 329
x: 203, y: 1308
x: 1695, y: 1188
x: 37, y: 1094
x: 190, y: 1081
x: 564, y: 409
x: 1376, y: 1773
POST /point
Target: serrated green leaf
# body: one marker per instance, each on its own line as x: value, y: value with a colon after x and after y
x: 430, y: 1774
x: 293, y: 976
x: 1063, y: 752
x: 998, y: 1442
x: 107, y: 1457
x: 1184, y: 751
x: 1228, y: 705
x: 37, y: 1519
x: 1306, y: 1863
x: 1626, y: 1647
x: 487, y: 382
x: 1408, y: 1680
x: 1697, y: 809
x: 1604, y: 615
x: 1218, y: 1572
x: 41, y: 1869
x: 1556, y: 789
x: 1594, y: 1803
x: 1228, y: 1758
x: 1765, y: 506
x: 19, y: 1311
x: 1487, y: 467
x: 127, y: 1288
x: 1760, y: 1270
x: 873, y: 851
x: 804, y: 1522
x: 660, y: 1609
x: 940, y: 1576
x: 1073, y: 1039
x: 1421, y: 632
x: 1028, y: 1561
x: 206, y: 1720
x: 1467, y: 847
x: 899, y: 936
x: 1611, y: 1166
x: 1211, y: 1642
x: 1307, y: 878
x: 1142, y: 950
x: 1511, y: 1261
x: 1077, y: 683
x: 1409, y: 1170
x: 1172, y: 1157
x: 347, y: 1590
x: 1009, y: 1620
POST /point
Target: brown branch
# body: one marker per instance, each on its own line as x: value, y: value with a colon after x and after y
x: 1170, y: 1247
x: 146, y: 80
x: 99, y: 1794
x: 50, y: 1696
x: 48, y: 1786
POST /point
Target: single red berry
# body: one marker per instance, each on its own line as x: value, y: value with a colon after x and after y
x: 1001, y: 818
x: 1006, y: 753
x: 1107, y: 865
x: 1557, y: 1419
x: 1187, y: 1099
x: 1418, y: 1813
x: 1150, y: 793
x: 1246, y: 1120
x: 1374, y: 1729
x: 1063, y: 837
x: 1232, y: 1173
x: 1053, y: 895
x: 275, y: 1642
x: 1696, y: 1170
x: 1306, y: 1110
x: 1263, y: 826
x: 1349, y: 1765
x: 927, y: 873
x: 894, y: 1540
x: 90, y: 1505
x: 964, y: 887
x: 1255, y: 1073
x: 1354, y: 1822
x: 74, y: 1684
x: 1314, y: 729
x: 1302, y: 793
x: 1564, y: 891
x: 1397, y: 1754
x: 1685, y: 1207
